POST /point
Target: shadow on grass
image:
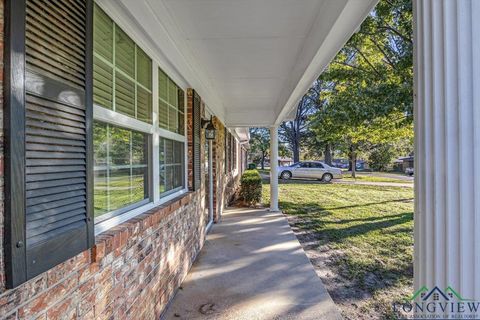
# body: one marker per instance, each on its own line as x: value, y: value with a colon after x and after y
x: 358, y: 273
x: 339, y: 234
x: 305, y: 208
x: 359, y: 276
x: 369, y: 204
x: 302, y: 209
x: 314, y: 226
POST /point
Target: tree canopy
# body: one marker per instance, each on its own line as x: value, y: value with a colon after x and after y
x: 367, y: 92
x: 363, y: 101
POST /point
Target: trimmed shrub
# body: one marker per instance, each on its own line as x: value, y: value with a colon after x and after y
x: 251, y: 187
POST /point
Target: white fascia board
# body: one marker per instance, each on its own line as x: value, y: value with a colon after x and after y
x: 250, y: 118
x: 158, y: 36
x: 347, y: 22
x: 243, y: 134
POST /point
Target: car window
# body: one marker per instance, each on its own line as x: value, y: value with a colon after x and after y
x: 304, y: 165
x: 317, y: 165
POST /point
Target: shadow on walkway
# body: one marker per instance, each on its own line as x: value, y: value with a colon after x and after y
x: 252, y: 267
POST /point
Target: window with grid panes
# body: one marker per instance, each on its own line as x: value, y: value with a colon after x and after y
x: 122, y: 79
x: 171, y: 105
x: 121, y: 169
x: 171, y: 166
x: 122, y: 82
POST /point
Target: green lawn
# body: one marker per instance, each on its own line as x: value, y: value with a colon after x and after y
x: 123, y: 191
x: 367, y: 233
x: 264, y: 171
x: 362, y: 176
x: 373, y: 178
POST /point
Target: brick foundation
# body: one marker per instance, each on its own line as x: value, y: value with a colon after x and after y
x: 131, y: 273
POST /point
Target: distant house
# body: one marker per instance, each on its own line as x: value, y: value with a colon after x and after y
x: 345, y: 164
x: 402, y: 163
x: 340, y: 163
x: 285, y: 161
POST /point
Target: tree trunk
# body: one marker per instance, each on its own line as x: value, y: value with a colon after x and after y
x: 296, y: 152
x: 353, y: 161
x: 263, y: 161
x: 354, y: 167
x: 328, y: 154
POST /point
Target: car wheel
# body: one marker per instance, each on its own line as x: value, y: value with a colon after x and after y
x: 286, y: 175
x: 327, y: 177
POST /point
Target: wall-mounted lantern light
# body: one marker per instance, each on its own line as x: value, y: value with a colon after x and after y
x: 210, y: 131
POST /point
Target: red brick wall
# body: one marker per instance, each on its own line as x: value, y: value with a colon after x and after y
x: 225, y: 185
x: 131, y: 273
x: 134, y: 268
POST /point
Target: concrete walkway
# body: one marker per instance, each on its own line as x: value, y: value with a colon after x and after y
x: 252, y: 267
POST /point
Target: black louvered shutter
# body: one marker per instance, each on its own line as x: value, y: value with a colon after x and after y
x: 196, y: 134
x: 49, y: 144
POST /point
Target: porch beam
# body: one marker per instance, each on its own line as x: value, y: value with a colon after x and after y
x: 447, y: 146
x: 273, y: 168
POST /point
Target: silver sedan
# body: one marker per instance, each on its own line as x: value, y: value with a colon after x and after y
x: 310, y: 170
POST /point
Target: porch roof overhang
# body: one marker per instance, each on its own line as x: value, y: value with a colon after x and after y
x: 250, y: 60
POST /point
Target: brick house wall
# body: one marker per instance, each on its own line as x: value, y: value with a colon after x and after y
x: 225, y: 185
x: 132, y: 272
x: 134, y: 269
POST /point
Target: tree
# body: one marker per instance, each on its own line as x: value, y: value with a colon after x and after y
x: 296, y: 133
x: 368, y: 92
x: 260, y: 145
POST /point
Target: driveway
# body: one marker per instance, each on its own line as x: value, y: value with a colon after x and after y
x: 252, y: 267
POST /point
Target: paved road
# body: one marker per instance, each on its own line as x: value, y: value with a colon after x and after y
x: 252, y: 267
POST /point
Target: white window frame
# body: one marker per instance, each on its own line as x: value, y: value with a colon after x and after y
x: 115, y: 118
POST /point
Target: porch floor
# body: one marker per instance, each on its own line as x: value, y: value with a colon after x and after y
x: 252, y: 267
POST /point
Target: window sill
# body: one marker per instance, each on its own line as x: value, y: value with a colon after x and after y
x: 117, y: 237
x: 106, y: 225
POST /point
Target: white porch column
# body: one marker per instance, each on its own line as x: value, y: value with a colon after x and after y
x: 273, y: 168
x: 447, y: 151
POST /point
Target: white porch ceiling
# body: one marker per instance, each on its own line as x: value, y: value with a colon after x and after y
x: 251, y: 60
